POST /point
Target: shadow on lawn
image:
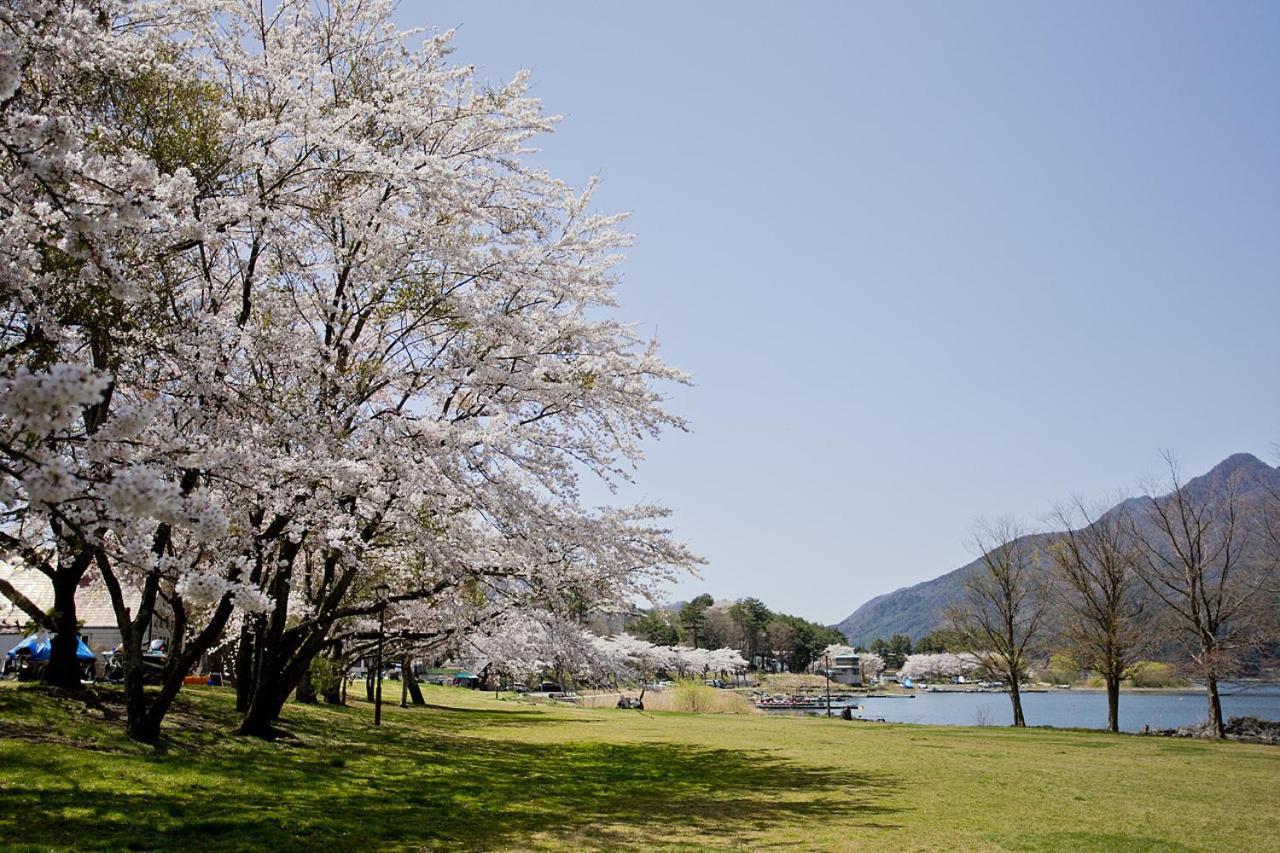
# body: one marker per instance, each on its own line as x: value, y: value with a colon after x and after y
x: 437, y: 787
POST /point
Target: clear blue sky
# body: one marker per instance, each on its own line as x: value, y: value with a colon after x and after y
x: 927, y: 262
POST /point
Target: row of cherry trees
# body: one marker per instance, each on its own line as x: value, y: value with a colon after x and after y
x: 532, y: 643
x: 291, y: 332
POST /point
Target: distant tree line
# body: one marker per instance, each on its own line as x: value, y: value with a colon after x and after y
x: 765, y: 637
x: 896, y: 649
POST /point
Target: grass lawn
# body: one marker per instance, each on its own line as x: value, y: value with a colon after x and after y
x: 471, y: 771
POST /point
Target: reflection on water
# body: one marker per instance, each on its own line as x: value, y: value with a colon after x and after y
x: 1074, y: 708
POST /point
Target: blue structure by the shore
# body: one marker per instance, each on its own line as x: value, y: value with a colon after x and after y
x: 42, y: 647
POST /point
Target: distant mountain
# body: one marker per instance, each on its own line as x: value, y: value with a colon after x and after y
x: 917, y: 610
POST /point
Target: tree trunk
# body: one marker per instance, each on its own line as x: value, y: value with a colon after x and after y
x: 334, y: 690
x: 135, y: 699
x: 274, y: 684
x: 1113, y: 702
x: 306, y: 692
x: 404, y: 681
x: 246, y: 652
x: 411, y: 681
x: 63, y: 669
x: 147, y: 727
x: 263, y: 711
x: 144, y: 722
x: 284, y: 652
x: 1215, y: 706
x: 368, y: 684
x: 1015, y: 696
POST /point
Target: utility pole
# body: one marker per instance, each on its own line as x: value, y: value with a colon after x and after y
x: 826, y: 659
x: 381, y: 590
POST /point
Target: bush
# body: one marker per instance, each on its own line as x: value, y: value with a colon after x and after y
x: 1060, y: 670
x: 326, y: 674
x: 690, y: 695
x: 1154, y: 674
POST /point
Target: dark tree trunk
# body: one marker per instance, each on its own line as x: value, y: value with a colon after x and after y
x: 1215, y: 706
x: 135, y: 700
x: 306, y: 692
x: 282, y: 664
x: 1113, y: 702
x: 415, y: 690
x: 368, y: 684
x: 335, y: 689
x: 246, y: 653
x: 284, y: 652
x: 63, y: 669
x: 144, y: 721
x: 263, y: 711
x: 1015, y: 696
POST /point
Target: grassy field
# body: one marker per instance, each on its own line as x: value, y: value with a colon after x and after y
x: 474, y: 772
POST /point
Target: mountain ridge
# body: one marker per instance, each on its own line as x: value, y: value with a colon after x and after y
x: 919, y: 608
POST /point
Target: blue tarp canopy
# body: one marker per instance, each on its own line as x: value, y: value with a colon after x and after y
x: 42, y: 648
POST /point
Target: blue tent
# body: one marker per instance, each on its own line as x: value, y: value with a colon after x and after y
x: 41, y: 649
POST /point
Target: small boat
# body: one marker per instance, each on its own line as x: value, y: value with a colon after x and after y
x: 803, y: 703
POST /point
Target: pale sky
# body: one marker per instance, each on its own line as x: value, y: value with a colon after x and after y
x: 926, y: 262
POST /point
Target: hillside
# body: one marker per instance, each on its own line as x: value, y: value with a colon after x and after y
x: 917, y: 610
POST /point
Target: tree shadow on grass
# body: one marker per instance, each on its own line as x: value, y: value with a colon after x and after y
x: 435, y: 789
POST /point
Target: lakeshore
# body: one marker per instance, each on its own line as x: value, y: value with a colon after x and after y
x: 471, y: 771
x: 1154, y: 708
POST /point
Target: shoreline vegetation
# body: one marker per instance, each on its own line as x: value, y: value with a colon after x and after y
x: 471, y: 771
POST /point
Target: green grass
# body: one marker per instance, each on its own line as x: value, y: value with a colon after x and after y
x: 470, y: 771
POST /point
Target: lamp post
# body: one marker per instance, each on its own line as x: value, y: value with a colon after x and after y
x: 381, y: 591
x: 826, y: 659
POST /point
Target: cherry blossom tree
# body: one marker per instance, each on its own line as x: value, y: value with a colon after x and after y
x: 872, y: 664
x: 529, y: 642
x: 103, y: 445
x: 727, y: 661
x: 421, y: 339
x: 343, y: 352
x: 621, y: 659
x: 943, y: 665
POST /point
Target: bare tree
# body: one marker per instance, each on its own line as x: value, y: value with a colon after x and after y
x: 1098, y: 592
x: 1002, y: 615
x: 1196, y: 557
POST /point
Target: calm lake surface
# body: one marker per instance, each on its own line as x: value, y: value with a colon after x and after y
x: 1074, y: 708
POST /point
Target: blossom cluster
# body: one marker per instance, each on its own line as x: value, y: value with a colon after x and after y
x: 203, y: 589
x: 48, y: 400
x: 941, y: 665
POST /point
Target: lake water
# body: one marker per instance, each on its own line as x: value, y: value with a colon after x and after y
x: 1074, y: 708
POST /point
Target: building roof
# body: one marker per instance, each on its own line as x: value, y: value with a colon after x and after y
x: 93, y: 602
